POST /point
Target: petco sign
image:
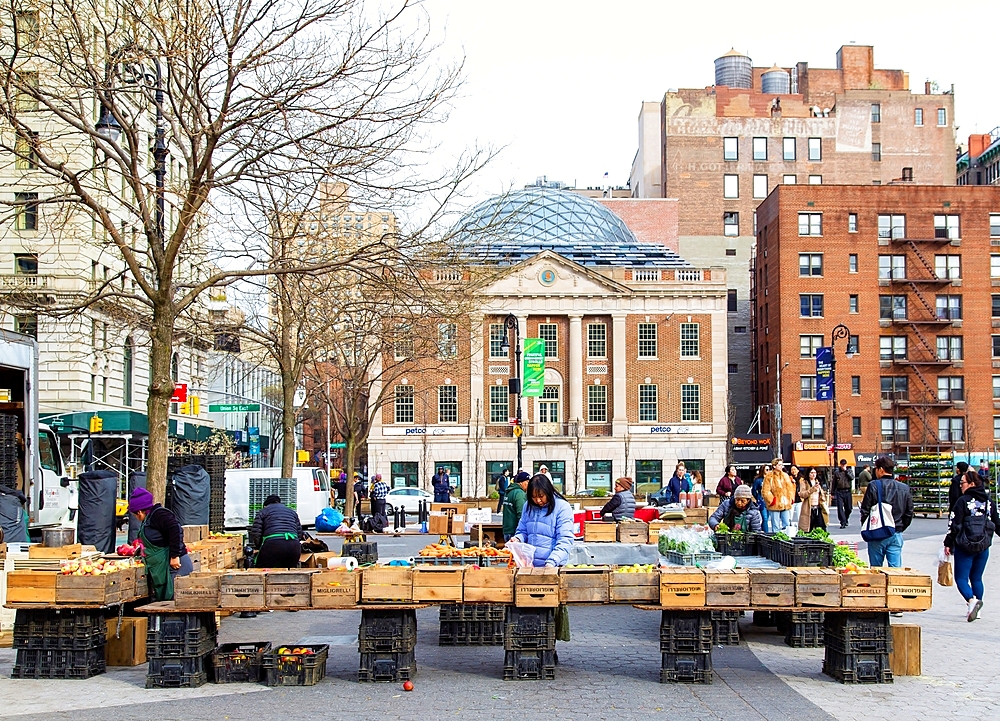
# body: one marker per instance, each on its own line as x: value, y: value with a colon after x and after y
x: 672, y: 430
x: 425, y: 431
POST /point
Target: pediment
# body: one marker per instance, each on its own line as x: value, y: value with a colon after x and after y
x: 548, y: 273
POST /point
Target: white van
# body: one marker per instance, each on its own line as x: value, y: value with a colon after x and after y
x: 312, y: 491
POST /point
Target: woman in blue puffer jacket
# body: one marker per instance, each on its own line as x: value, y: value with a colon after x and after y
x: 546, y: 523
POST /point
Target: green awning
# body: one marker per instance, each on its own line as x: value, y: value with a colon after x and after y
x: 120, y: 422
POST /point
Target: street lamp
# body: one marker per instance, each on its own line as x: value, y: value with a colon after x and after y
x: 839, y: 331
x: 514, y: 384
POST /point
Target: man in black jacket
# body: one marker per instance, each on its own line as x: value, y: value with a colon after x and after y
x: 897, y: 495
x: 842, y: 482
x: 276, y: 531
x: 955, y: 489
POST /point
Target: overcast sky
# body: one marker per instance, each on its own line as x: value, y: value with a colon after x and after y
x: 559, y: 82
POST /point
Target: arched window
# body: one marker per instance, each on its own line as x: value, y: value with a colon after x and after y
x: 175, y: 374
x: 127, y: 369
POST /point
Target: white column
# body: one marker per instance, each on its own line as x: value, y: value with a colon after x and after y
x: 476, y: 404
x: 574, y: 384
x: 619, y: 420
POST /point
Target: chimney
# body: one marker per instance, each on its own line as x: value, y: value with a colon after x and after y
x: 927, y: 87
x: 977, y: 144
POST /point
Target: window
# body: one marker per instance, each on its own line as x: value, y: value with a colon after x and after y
x: 951, y: 388
x: 732, y: 300
x: 807, y: 388
x: 815, y: 149
x: 26, y: 324
x: 808, y: 345
x: 877, y: 152
x: 951, y: 430
x: 730, y: 186
x: 690, y: 340
x: 690, y: 402
x: 597, y: 404
x: 497, y: 335
x: 548, y: 405
x: 996, y: 387
x: 892, y: 307
x: 852, y: 304
x: 852, y: 263
x: 403, y: 349
x: 26, y: 100
x: 946, y: 226
x: 949, y: 307
x: 739, y: 329
x: 810, y: 224
x: 27, y: 211
x: 812, y: 427
x: 942, y: 116
x: 815, y: 180
x: 732, y: 251
x: 597, y: 340
x: 760, y: 148
x: 730, y: 224
x: 852, y: 222
x: 789, y: 179
x: 895, y: 388
x: 26, y: 151
x: 447, y: 404
x: 996, y: 306
x: 895, y: 430
x: 949, y: 347
x: 995, y: 265
x: 996, y: 427
x: 810, y: 264
x: 995, y: 225
x: 950, y: 266
x: 647, y: 403
x: 734, y: 368
x: 891, y: 267
x: 404, y: 404
x: 26, y: 27
x: 811, y: 305
x: 996, y: 346
x: 788, y: 148
x: 852, y: 345
x: 855, y: 426
x: 876, y: 113
x: 25, y: 264
x: 892, y: 347
x: 892, y: 226
x: 499, y: 404
x: 447, y: 340
x: 549, y: 332
x: 855, y: 385
x: 647, y: 340
x: 730, y: 149
x: 918, y: 116
x: 127, y: 373
x: 760, y: 186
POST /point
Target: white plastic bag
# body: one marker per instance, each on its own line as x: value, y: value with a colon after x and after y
x: 946, y: 572
x: 523, y: 553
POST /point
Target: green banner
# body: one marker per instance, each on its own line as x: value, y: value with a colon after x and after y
x: 533, y: 374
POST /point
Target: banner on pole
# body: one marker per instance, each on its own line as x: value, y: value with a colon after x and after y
x: 824, y: 374
x: 533, y: 374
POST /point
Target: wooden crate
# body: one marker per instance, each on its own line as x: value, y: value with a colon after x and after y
x: 817, y: 587
x: 126, y: 646
x: 385, y: 584
x: 193, y: 534
x: 288, y: 589
x: 695, y: 515
x: 655, y: 527
x: 36, y: 551
x: 335, y: 589
x: 141, y: 584
x: 488, y: 585
x: 536, y: 587
x: 242, y: 590
x: 628, y: 587
x: 583, y: 585
x: 907, y: 590
x: 600, y: 532
x: 101, y: 590
x: 127, y: 580
x: 197, y: 591
x: 438, y: 583
x: 632, y: 532
x: 727, y: 587
x: 905, y: 657
x: 772, y: 587
x: 863, y: 590
x: 31, y: 586
x: 682, y: 587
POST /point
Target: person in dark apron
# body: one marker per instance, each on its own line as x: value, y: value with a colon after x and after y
x: 164, y: 552
x: 276, y: 532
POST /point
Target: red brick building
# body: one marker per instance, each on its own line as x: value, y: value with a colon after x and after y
x: 914, y: 273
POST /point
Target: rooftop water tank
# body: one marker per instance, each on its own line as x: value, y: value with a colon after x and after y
x: 734, y: 70
x: 775, y: 81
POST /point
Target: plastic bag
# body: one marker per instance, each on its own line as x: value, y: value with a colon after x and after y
x: 946, y: 571
x: 523, y: 553
x: 328, y: 520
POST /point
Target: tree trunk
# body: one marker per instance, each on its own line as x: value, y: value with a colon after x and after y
x: 288, y: 387
x: 161, y: 389
x: 349, y: 446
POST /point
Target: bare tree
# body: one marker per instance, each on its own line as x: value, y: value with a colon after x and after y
x: 477, y: 446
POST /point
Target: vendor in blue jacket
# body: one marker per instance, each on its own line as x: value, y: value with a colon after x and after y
x: 546, y: 523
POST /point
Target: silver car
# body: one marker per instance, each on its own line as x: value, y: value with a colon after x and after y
x: 409, y: 498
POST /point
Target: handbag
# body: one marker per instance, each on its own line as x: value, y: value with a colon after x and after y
x: 878, y: 529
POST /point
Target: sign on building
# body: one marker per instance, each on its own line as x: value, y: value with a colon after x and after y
x: 534, y: 368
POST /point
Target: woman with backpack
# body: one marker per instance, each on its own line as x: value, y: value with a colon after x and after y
x: 972, y: 523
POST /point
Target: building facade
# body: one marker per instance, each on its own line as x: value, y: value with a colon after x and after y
x: 979, y: 163
x: 909, y: 271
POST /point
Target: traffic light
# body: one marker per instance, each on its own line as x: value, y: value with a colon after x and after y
x: 96, y: 424
x: 195, y: 402
x: 185, y: 408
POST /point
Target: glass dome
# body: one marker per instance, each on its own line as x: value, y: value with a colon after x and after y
x: 511, y: 228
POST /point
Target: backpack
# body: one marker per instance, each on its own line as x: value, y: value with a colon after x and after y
x: 878, y: 528
x: 976, y: 533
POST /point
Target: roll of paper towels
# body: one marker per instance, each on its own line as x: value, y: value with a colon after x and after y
x: 347, y: 562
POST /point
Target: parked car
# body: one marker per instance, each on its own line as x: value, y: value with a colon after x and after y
x: 409, y: 498
x: 660, y: 498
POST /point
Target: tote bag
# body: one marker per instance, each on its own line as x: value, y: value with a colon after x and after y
x: 879, y: 526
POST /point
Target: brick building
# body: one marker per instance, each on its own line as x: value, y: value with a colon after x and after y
x: 909, y: 270
x: 979, y: 163
x: 634, y: 359
x: 720, y: 150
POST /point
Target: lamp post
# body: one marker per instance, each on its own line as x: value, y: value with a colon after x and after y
x: 839, y: 331
x: 510, y: 322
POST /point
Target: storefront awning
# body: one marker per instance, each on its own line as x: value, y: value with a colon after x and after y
x: 847, y: 456
x: 808, y: 459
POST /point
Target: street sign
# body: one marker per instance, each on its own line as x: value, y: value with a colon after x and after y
x: 824, y: 374
x: 512, y: 421
x: 338, y: 445
x: 233, y: 407
x: 180, y: 393
x: 534, y: 368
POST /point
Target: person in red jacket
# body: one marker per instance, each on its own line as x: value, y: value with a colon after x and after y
x: 728, y: 483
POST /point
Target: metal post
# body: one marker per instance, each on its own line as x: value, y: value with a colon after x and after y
x: 510, y: 322
x: 839, y: 331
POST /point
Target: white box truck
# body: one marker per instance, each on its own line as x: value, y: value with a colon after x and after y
x: 312, y: 490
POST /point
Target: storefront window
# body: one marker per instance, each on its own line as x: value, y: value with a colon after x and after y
x: 557, y: 469
x: 405, y: 473
x: 598, y: 474
x: 648, y: 477
x: 454, y: 469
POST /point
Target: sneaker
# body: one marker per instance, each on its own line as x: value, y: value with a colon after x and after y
x: 975, y: 605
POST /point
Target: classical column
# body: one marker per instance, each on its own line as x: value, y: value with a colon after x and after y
x: 619, y: 420
x: 574, y: 384
x: 476, y: 407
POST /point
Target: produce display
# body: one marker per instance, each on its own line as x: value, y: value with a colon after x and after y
x: 845, y: 558
x: 289, y: 654
x: 636, y: 568
x: 443, y: 550
x: 687, y: 539
x: 95, y: 567
x: 130, y: 549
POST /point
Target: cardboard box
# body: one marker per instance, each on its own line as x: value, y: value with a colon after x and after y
x: 197, y: 591
x: 103, y: 590
x: 583, y: 585
x: 907, y: 590
x: 127, y: 647
x: 817, y: 587
x: 488, y: 585
x: 320, y: 559
x: 307, y: 560
x: 193, y: 534
x: 335, y: 589
x: 31, y: 586
x: 288, y: 589
x: 682, y: 587
x: 727, y: 587
x: 387, y: 584
x: 536, y: 587
x: 438, y: 583
x: 600, y: 532
x: 863, y: 590
x: 628, y: 587
x: 242, y: 590
x: 772, y: 587
x: 450, y: 509
x: 438, y: 523
x: 905, y: 657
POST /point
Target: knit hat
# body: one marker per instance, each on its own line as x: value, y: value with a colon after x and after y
x: 742, y: 492
x: 522, y: 477
x: 140, y: 500
x: 625, y: 482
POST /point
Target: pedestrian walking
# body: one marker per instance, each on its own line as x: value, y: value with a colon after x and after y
x: 971, y: 525
x: 843, y: 486
x: 815, y: 501
x: 955, y: 490
x: 864, y: 478
x: 728, y: 483
x: 984, y: 472
x: 796, y: 476
x: 779, y: 494
x: 886, y: 489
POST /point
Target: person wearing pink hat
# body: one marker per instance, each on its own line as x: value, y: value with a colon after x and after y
x: 163, y: 549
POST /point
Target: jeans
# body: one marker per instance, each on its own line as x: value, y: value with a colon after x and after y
x: 778, y: 520
x: 969, y: 569
x: 887, y: 550
x: 845, y: 504
x: 796, y: 510
x: 765, y: 526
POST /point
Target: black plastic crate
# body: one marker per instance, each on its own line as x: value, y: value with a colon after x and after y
x: 68, y: 623
x: 857, y: 667
x: 37, y: 663
x: 473, y: 612
x: 385, y: 631
x: 804, y: 634
x: 731, y: 544
x: 189, y: 628
x: 173, y: 680
x: 529, y: 665
x: 287, y: 669
x: 686, y: 667
x: 239, y: 662
x: 726, y: 627
x: 850, y: 633
x: 168, y: 649
x: 59, y: 643
x: 387, y: 667
x: 802, y: 552
x: 685, y: 632
x: 363, y: 553
x: 471, y: 633
x: 530, y: 629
